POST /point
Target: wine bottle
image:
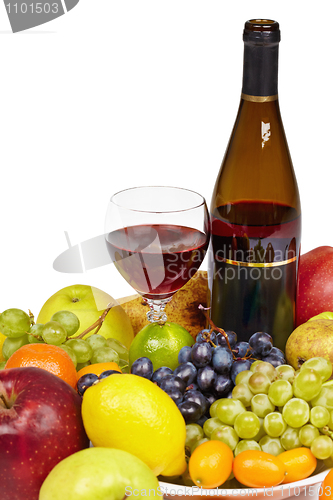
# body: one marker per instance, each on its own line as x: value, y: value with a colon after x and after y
x: 255, y: 207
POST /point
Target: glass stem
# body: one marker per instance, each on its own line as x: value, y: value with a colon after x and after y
x: 156, y: 313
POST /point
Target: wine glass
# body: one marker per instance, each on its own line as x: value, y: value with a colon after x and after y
x: 157, y: 238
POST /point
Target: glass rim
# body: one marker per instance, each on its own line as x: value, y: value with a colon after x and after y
x: 202, y: 203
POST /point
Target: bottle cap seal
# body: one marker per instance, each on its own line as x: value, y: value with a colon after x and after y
x: 261, y: 31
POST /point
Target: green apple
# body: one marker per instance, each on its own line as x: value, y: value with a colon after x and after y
x: 100, y: 474
x: 88, y: 303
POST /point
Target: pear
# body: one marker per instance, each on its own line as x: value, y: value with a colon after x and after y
x: 182, y: 309
x: 309, y: 340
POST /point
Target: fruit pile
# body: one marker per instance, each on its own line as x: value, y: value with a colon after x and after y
x: 245, y: 396
x: 236, y: 403
x: 273, y: 410
x: 20, y: 329
x: 207, y: 370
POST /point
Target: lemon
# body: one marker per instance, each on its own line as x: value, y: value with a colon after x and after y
x: 133, y: 414
x: 160, y: 343
x: 2, y: 339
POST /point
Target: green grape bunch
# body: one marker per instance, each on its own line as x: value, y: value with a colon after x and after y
x: 20, y: 329
x: 274, y: 409
x: 14, y: 323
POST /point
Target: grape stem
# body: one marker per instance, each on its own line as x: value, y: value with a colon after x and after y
x: 326, y: 430
x: 98, y: 324
x: 212, y: 325
x: 32, y: 318
x: 38, y: 337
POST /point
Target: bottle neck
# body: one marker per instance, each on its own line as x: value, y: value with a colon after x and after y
x: 260, y: 72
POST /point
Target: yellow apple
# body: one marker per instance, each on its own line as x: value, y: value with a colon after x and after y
x: 2, y: 339
x: 88, y: 303
x: 323, y: 315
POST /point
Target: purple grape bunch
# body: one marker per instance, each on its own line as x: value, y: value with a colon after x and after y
x: 207, y: 370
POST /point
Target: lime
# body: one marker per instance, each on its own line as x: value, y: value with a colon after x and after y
x: 133, y: 414
x: 160, y: 343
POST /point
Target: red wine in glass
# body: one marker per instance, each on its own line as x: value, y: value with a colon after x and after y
x: 157, y: 237
x: 157, y: 259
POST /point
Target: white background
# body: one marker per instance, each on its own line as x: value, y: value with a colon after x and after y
x: 122, y: 93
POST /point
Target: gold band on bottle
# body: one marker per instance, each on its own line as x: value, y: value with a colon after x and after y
x: 259, y: 98
x: 259, y: 264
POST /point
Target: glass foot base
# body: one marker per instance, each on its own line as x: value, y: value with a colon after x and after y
x: 156, y: 313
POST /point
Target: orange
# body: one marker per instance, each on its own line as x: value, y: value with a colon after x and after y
x: 98, y: 368
x: 258, y: 469
x: 299, y: 463
x: 48, y: 357
x: 210, y: 464
x: 326, y: 487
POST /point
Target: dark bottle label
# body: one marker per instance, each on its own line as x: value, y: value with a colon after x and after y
x: 260, y: 73
x: 261, y: 46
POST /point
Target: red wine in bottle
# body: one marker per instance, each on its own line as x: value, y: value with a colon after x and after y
x: 255, y: 207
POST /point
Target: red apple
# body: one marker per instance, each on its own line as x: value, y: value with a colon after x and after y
x: 315, y: 284
x: 40, y: 425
